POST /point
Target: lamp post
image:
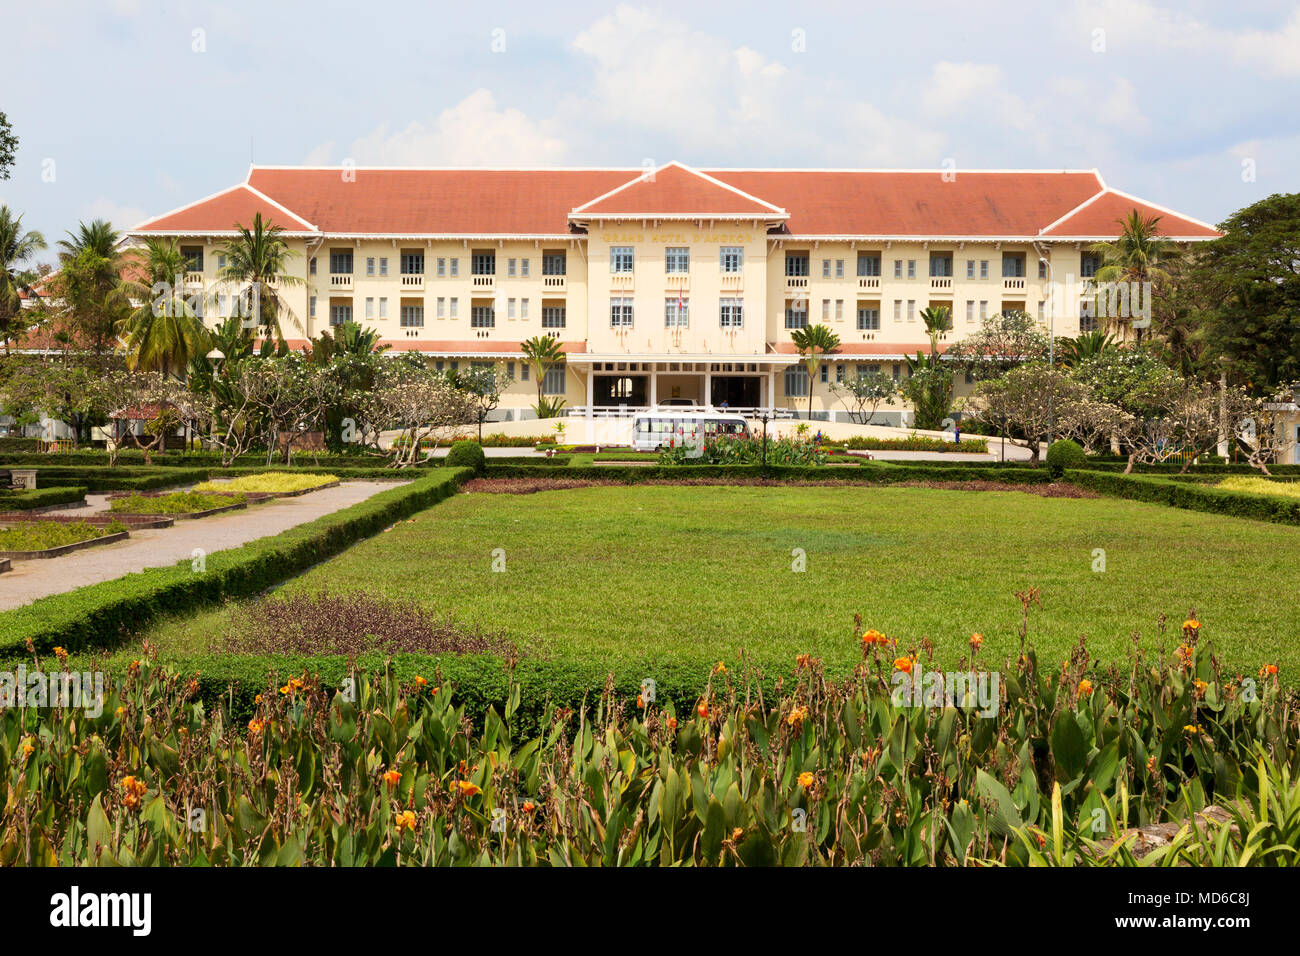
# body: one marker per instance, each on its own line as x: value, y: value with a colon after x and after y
x: 764, y: 419
x: 1051, y: 347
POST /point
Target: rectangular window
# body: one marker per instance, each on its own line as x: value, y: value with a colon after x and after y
x: 796, y: 316
x: 523, y: 372
x: 553, y: 263
x: 1042, y: 269
x: 868, y: 320
x: 911, y: 310
x: 839, y: 310
x: 383, y: 265
x: 341, y: 262
x: 510, y: 308
x: 523, y: 307
x: 911, y: 268
x: 412, y: 316
x: 839, y: 268
x: 941, y: 265
x: 1087, y: 320
x: 984, y: 310
x: 677, y: 313
x: 824, y: 373
x: 898, y: 268
x: 553, y: 380
x: 553, y: 317
x: 311, y: 306
x: 620, y: 313
x: 340, y: 312
x: 442, y: 267
x: 523, y: 268
x: 412, y: 263
x: 311, y: 266
x: 796, y: 382
x: 1013, y: 265
x: 731, y: 313
x: 483, y: 262
x: 984, y: 268
x: 620, y: 260
x: 453, y: 308
x: 370, y: 307
x: 732, y: 258
x: 454, y: 266
x: 826, y: 268
x: 370, y: 265
x: 796, y: 264
x: 898, y: 310
x: 970, y: 268
x: 383, y: 307
x: 1089, y: 263
x: 677, y: 260
x: 510, y: 267
x: 970, y: 310
x: 826, y: 310
x: 482, y: 317
x: 193, y: 258
x: 868, y: 264
x: 442, y: 307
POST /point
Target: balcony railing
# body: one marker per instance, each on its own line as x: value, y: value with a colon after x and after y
x: 1010, y: 284
x: 340, y: 280
x: 194, y: 278
x: 483, y: 283
x: 940, y: 283
x: 621, y: 282
x: 412, y: 280
x: 677, y: 281
x: 868, y: 283
x: 796, y: 282
x: 555, y: 283
x: 732, y: 282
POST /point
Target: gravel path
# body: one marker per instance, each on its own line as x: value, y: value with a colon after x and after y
x: 161, y: 547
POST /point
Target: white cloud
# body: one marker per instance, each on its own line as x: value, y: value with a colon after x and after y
x: 474, y: 132
x: 121, y: 217
x: 975, y: 91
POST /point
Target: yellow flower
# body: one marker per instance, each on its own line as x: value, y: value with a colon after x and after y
x: 1085, y: 688
x: 719, y: 668
x: 60, y: 653
x: 1200, y: 686
x: 420, y: 681
x: 468, y: 789
x: 874, y: 637
x: 904, y: 664
x: 405, y: 821
x: 797, y: 716
x: 806, y: 779
x: 292, y: 687
x: 1193, y: 729
x: 134, y: 792
x: 737, y: 833
x: 29, y: 748
x: 1268, y: 670
x: 1191, y: 624
x: 256, y: 726
x: 976, y: 640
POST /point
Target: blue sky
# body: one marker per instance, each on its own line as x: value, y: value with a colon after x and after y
x: 127, y: 109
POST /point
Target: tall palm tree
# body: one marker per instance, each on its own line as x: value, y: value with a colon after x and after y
x: 1136, y: 255
x: 1084, y: 346
x: 814, y: 342
x: 89, y: 282
x: 541, y: 352
x: 163, y: 331
x: 257, y: 260
x: 938, y: 320
x: 16, y: 247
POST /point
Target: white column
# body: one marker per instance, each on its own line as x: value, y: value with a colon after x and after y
x: 591, y: 389
x: 654, y: 385
x: 771, y: 389
x: 708, y: 382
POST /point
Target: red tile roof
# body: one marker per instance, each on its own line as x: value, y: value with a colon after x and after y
x: 540, y: 202
x: 674, y: 191
x: 1100, y: 216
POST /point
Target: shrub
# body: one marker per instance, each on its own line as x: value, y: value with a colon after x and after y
x: 43, y: 535
x: 41, y: 498
x: 1190, y: 495
x: 179, y: 503
x: 1064, y: 453
x: 467, y: 454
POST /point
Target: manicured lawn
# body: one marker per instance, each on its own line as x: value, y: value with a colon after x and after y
x: 695, y: 574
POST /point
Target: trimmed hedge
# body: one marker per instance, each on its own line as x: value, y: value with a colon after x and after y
x: 41, y: 497
x: 118, y: 479
x: 1189, y: 495
x: 868, y: 472
x: 99, y: 614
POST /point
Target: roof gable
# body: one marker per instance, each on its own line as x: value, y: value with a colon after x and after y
x: 677, y: 191
x: 1101, y: 217
x: 221, y: 212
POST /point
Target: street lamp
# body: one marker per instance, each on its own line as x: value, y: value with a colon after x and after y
x: 764, y: 417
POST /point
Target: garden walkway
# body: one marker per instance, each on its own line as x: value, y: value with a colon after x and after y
x: 162, y: 547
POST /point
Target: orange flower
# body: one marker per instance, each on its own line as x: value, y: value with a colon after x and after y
x: 134, y: 792
x: 806, y: 779
x: 60, y: 653
x: 976, y: 640
x: 468, y: 789
x: 874, y: 637
x: 904, y: 664
x: 529, y: 806
x: 803, y: 660
x: 1085, y: 688
x: 719, y: 668
x: 1268, y: 670
x: 256, y: 726
x: 737, y: 833
x: 405, y: 821
x: 1191, y: 624
x: 797, y: 716
x: 1185, y: 651
x: 29, y: 748
x: 420, y: 681
x: 703, y: 709
x: 1200, y: 686
x: 393, y: 777
x: 672, y: 723
x: 292, y: 687
x: 639, y: 702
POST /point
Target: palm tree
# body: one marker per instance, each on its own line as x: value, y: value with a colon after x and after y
x: 16, y: 247
x: 813, y: 342
x: 1136, y: 256
x: 89, y: 281
x: 163, y: 332
x: 541, y: 352
x: 350, y: 338
x: 1085, y: 346
x: 257, y: 259
x: 938, y: 321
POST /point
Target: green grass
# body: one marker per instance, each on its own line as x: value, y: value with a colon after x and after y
x: 43, y: 535
x: 694, y: 575
x: 177, y: 503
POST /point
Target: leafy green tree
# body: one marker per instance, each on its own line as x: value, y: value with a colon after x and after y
x: 1023, y: 404
x: 864, y: 393
x: 1002, y: 342
x: 1071, y: 352
x: 814, y: 343
x: 89, y: 283
x: 1249, y: 283
x: 1139, y: 254
x: 8, y: 146
x: 18, y: 247
x: 483, y: 384
x: 257, y: 260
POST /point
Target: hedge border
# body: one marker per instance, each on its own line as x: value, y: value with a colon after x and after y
x: 33, y: 498
x: 1188, y: 495
x: 99, y: 614
x: 867, y: 472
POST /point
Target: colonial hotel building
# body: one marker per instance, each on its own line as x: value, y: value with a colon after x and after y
x: 676, y: 283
